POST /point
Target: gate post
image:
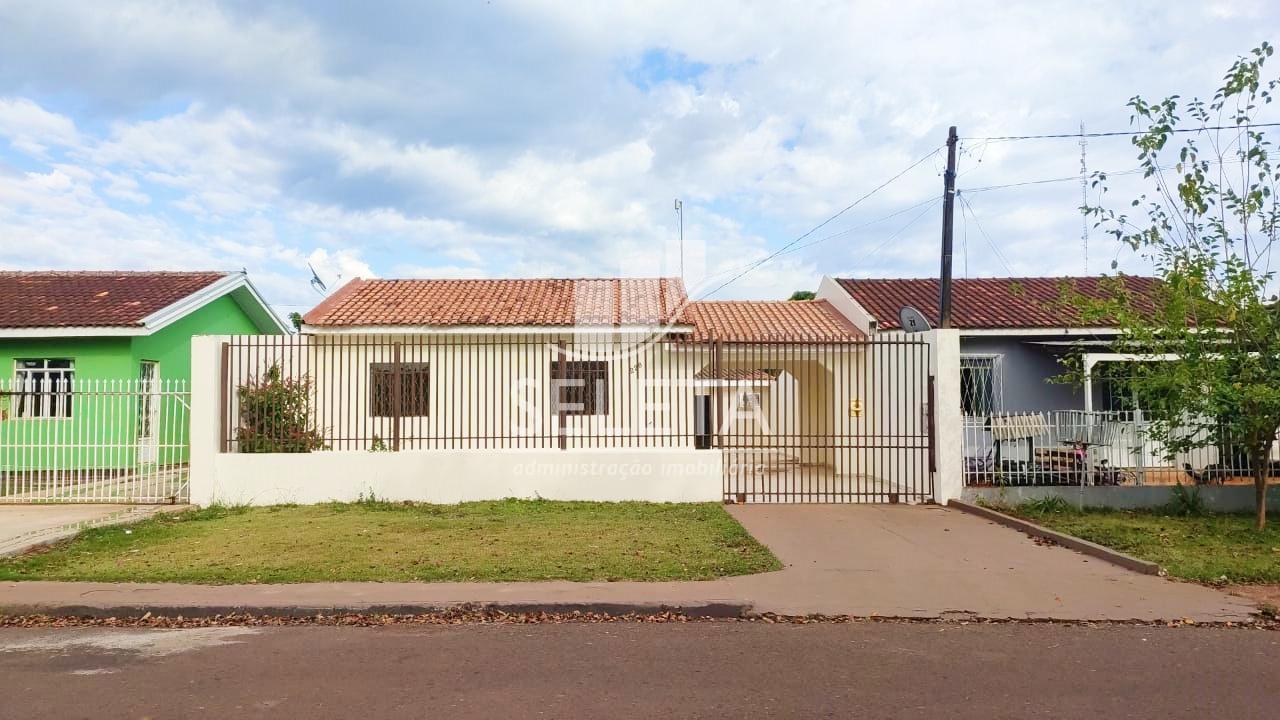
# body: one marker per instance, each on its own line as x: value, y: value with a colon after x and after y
x: 948, y: 420
x: 208, y: 391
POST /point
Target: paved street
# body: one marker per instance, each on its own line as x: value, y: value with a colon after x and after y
x: 643, y: 671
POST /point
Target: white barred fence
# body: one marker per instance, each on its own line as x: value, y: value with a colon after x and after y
x: 94, y: 440
x: 1075, y: 447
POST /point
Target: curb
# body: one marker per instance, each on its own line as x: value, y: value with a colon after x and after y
x: 1101, y: 552
x: 719, y: 609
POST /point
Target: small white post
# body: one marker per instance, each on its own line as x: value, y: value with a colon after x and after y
x: 206, y: 393
x: 948, y: 417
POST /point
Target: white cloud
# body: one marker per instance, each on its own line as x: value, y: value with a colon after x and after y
x: 483, y: 139
x: 31, y: 129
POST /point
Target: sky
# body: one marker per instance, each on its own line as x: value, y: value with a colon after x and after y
x: 496, y: 138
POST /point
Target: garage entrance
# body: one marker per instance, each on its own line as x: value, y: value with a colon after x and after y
x: 830, y: 422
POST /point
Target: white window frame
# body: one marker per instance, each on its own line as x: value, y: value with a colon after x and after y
x: 35, y: 399
x: 996, y: 383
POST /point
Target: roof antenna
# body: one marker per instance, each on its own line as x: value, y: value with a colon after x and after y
x: 680, y: 221
x: 1084, y: 197
x: 316, y: 283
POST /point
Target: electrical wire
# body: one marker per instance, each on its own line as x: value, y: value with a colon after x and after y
x: 994, y: 250
x: 1076, y: 177
x: 901, y: 230
x: 832, y: 236
x: 1117, y: 133
x: 820, y: 225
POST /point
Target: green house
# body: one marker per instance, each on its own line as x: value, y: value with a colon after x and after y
x: 94, y: 367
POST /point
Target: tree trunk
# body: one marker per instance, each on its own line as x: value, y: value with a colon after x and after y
x: 1261, y: 468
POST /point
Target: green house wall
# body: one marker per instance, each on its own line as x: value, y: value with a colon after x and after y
x: 102, y: 432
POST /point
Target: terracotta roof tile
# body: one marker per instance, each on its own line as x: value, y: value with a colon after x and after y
x: 568, y: 302
x: 92, y: 299
x: 990, y: 303
x: 734, y: 375
x: 768, y: 320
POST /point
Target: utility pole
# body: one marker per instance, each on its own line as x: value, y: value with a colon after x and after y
x: 948, y: 229
x: 680, y: 221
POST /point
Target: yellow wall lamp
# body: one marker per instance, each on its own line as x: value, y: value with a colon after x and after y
x: 855, y: 408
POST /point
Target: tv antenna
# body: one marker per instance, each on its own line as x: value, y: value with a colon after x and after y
x: 679, y: 205
x: 1084, y: 197
x: 316, y: 283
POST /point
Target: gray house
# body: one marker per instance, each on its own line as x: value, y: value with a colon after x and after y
x: 1014, y: 333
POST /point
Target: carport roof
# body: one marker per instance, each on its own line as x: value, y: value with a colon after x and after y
x: 768, y: 321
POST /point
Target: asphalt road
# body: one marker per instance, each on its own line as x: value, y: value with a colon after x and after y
x: 643, y: 671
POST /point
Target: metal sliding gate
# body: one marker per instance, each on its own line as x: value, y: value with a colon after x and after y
x: 828, y: 422
x: 65, y: 439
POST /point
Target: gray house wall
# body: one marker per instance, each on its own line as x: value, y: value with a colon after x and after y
x: 1026, y: 370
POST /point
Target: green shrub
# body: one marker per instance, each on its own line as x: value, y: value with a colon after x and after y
x: 1186, y: 502
x: 275, y: 415
x: 1047, y: 505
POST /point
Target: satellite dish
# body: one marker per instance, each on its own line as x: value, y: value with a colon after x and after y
x: 912, y: 320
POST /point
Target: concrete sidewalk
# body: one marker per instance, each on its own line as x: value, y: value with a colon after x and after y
x: 25, y: 527
x: 861, y: 560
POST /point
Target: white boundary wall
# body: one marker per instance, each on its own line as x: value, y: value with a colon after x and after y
x: 948, y: 417
x: 437, y: 476
x: 453, y: 476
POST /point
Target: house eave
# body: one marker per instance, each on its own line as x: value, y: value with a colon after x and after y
x: 232, y: 283
x: 78, y: 331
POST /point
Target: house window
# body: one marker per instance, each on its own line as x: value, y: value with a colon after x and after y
x: 43, y: 387
x: 979, y: 385
x: 584, y: 386
x: 1113, y: 390
x: 749, y: 402
x: 415, y: 389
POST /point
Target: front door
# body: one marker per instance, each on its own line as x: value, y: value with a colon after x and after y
x: 148, y: 411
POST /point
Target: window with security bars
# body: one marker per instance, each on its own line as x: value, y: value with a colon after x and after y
x: 980, y: 393
x: 43, y: 387
x: 415, y: 389
x: 584, y: 386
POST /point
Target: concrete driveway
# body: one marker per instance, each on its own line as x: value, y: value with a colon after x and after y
x: 23, y: 527
x: 928, y: 561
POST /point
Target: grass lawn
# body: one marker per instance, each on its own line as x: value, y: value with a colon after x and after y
x: 506, y: 540
x: 1194, y: 548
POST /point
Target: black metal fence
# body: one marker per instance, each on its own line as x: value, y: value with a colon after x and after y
x: 796, y: 420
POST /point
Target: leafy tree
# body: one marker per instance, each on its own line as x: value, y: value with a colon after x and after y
x: 802, y: 295
x: 296, y: 318
x: 1207, y: 222
x: 275, y: 415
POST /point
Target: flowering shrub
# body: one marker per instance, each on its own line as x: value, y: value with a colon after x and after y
x: 275, y: 415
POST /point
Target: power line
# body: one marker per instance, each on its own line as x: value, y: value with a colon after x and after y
x: 832, y: 236
x: 820, y: 225
x: 932, y: 202
x: 994, y: 250
x: 1118, y: 133
x: 1076, y: 178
